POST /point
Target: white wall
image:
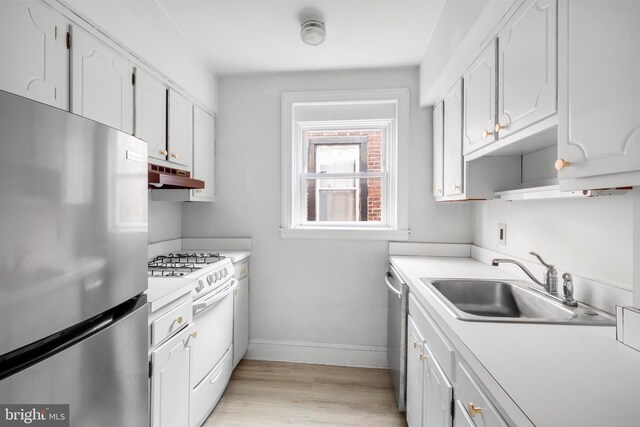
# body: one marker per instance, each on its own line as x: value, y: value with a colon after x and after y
x: 310, y: 291
x: 165, y: 221
x: 592, y: 238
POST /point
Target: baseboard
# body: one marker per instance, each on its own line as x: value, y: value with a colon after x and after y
x: 318, y: 353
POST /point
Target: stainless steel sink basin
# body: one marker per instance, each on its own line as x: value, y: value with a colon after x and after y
x: 509, y: 301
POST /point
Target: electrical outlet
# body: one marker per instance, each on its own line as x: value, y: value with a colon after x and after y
x: 502, y: 234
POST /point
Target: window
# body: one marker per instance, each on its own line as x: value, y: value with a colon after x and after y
x: 341, y: 165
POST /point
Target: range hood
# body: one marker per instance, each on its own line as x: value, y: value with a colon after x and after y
x: 171, y: 178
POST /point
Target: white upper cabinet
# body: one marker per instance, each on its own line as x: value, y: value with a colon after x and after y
x: 151, y: 113
x: 599, y: 125
x: 453, y: 160
x: 101, y: 82
x: 527, y: 77
x: 438, y: 149
x: 34, y: 59
x: 480, y: 101
x: 180, y: 138
x: 203, y: 154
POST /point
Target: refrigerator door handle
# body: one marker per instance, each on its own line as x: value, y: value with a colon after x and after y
x: 24, y: 357
x: 390, y: 286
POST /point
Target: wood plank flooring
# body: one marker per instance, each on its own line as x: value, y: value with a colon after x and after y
x: 289, y: 394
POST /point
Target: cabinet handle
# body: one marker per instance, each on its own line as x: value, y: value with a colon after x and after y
x: 439, y: 190
x: 179, y: 319
x: 456, y: 187
x: 499, y: 127
x: 164, y: 152
x: 174, y: 156
x: 194, y: 334
x: 415, y: 344
x: 473, y: 410
x: 561, y: 164
x: 486, y: 133
x: 424, y: 356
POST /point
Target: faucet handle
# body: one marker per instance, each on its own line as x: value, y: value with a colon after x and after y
x: 567, y: 287
x: 541, y: 260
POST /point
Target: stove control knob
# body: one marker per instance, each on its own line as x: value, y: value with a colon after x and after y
x: 210, y: 279
x: 200, y: 285
x: 219, y: 274
x: 215, y: 276
x: 226, y: 272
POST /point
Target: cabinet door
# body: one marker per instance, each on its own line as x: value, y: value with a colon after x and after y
x: 101, y: 82
x: 180, y: 140
x: 240, y: 320
x: 438, y: 395
x: 203, y: 154
x: 453, y: 160
x: 33, y: 52
x: 438, y: 149
x: 527, y: 82
x: 480, y: 101
x: 170, y: 387
x: 599, y: 125
x: 415, y: 373
x: 462, y: 418
x: 151, y: 114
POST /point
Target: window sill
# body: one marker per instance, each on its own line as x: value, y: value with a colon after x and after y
x: 336, y: 233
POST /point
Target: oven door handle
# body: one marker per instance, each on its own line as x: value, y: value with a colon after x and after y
x: 215, y: 299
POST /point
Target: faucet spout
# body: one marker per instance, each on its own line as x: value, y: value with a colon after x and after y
x: 499, y: 261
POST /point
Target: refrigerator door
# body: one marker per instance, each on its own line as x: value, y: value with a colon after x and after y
x: 397, y: 334
x: 102, y: 376
x: 73, y: 203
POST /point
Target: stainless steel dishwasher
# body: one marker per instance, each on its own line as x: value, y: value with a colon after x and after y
x: 397, y: 334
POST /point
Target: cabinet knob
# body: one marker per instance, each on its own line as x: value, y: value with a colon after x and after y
x: 179, y: 319
x: 486, y: 133
x: 164, y: 152
x: 456, y: 187
x: 174, y: 156
x: 473, y: 410
x: 424, y: 356
x: 439, y: 190
x: 194, y: 334
x: 499, y: 127
x: 415, y: 344
x: 561, y: 164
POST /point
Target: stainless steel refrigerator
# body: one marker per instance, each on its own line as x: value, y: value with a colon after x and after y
x: 73, y: 252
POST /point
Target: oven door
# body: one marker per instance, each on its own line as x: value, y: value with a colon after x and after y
x: 213, y: 317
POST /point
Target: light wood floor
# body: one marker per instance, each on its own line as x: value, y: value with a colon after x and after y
x: 276, y: 394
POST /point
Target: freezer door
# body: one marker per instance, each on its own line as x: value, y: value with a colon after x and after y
x: 103, y: 377
x: 73, y: 203
x: 397, y: 334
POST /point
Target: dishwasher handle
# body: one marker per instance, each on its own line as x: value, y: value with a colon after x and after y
x: 390, y: 286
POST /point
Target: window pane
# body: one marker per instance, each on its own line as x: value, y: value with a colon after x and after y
x: 344, y: 151
x: 353, y: 200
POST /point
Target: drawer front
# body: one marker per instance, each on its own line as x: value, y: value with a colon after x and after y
x: 206, y: 395
x: 440, y: 347
x: 171, y: 322
x: 242, y: 269
x: 468, y: 393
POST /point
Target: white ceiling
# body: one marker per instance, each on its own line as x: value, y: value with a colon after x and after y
x: 249, y: 36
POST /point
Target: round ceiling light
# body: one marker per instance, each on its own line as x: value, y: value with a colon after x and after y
x: 313, y: 32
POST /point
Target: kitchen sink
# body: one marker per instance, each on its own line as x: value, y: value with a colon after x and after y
x: 509, y: 301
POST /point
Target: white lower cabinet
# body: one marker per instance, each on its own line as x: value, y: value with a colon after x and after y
x: 170, y: 381
x: 441, y: 389
x: 415, y: 375
x: 241, y: 312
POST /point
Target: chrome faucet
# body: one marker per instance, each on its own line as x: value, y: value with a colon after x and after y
x: 550, y: 283
x: 567, y: 288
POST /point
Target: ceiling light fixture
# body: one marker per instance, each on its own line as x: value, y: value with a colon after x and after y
x: 313, y: 32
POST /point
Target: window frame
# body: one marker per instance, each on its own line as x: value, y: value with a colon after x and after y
x: 394, y: 220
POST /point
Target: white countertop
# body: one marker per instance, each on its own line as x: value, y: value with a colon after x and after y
x: 558, y: 375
